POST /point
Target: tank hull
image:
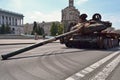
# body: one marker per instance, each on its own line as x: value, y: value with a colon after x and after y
x: 96, y: 41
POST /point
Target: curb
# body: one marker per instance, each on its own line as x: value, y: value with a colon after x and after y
x: 15, y: 43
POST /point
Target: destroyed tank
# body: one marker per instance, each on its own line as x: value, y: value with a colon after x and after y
x: 92, y: 33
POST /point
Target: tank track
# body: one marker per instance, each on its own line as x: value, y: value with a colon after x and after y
x: 106, y: 43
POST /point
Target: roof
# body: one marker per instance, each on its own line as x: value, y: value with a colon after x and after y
x: 11, y: 13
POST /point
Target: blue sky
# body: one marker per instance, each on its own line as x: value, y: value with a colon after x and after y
x: 50, y: 10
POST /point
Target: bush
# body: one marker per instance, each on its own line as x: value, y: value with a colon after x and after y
x: 5, y: 29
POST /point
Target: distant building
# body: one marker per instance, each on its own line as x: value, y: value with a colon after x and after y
x: 14, y: 20
x: 28, y: 28
x: 70, y: 15
x: 47, y: 26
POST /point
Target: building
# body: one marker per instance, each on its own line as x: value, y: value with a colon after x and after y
x: 70, y: 15
x: 14, y: 20
x: 47, y: 26
x: 28, y: 28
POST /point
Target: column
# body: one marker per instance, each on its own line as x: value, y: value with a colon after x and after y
x: 5, y: 20
x: 0, y: 19
x: 71, y: 3
x: 22, y: 22
x: 8, y: 20
x: 12, y: 21
x: 19, y: 22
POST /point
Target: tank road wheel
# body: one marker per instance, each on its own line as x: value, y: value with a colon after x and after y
x: 115, y: 42
x: 100, y: 43
x: 68, y: 44
x: 110, y: 43
x: 105, y: 42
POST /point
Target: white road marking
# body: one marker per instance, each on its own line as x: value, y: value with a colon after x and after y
x: 92, y: 67
x: 78, y: 74
x: 107, y: 70
x: 70, y: 78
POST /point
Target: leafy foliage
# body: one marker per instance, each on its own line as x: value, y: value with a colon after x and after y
x: 37, y: 29
x: 60, y: 29
x: 5, y: 29
x: 56, y: 29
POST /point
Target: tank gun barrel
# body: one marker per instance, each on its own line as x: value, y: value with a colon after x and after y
x: 8, y: 55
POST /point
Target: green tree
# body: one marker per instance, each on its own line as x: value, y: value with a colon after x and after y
x: 7, y: 29
x: 54, y: 29
x: 37, y: 29
x: 40, y: 30
x: 2, y: 29
x: 60, y: 29
x: 34, y: 28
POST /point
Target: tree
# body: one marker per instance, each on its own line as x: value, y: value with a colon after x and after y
x: 2, y: 29
x: 54, y: 29
x: 40, y: 30
x: 34, y: 28
x: 7, y: 29
x: 37, y: 29
x: 60, y: 29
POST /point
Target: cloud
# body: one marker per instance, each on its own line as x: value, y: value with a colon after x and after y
x: 15, y: 4
x: 78, y: 2
x: 114, y: 18
x: 40, y: 16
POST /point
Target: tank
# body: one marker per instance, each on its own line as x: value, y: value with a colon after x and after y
x: 92, y: 33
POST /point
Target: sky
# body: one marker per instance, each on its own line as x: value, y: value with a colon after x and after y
x: 50, y: 10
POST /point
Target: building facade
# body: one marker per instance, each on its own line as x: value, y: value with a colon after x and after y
x: 70, y: 15
x: 14, y: 20
x: 28, y: 28
x: 47, y: 26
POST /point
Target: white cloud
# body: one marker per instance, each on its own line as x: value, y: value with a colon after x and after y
x: 114, y: 18
x: 39, y: 16
x: 78, y: 2
x: 16, y: 4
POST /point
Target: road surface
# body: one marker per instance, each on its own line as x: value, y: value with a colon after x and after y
x: 52, y: 62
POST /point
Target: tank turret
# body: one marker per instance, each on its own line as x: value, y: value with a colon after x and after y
x: 92, y: 33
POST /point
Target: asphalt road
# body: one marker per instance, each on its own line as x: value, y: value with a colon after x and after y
x: 49, y: 62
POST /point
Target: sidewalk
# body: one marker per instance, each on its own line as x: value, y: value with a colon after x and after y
x: 18, y: 41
